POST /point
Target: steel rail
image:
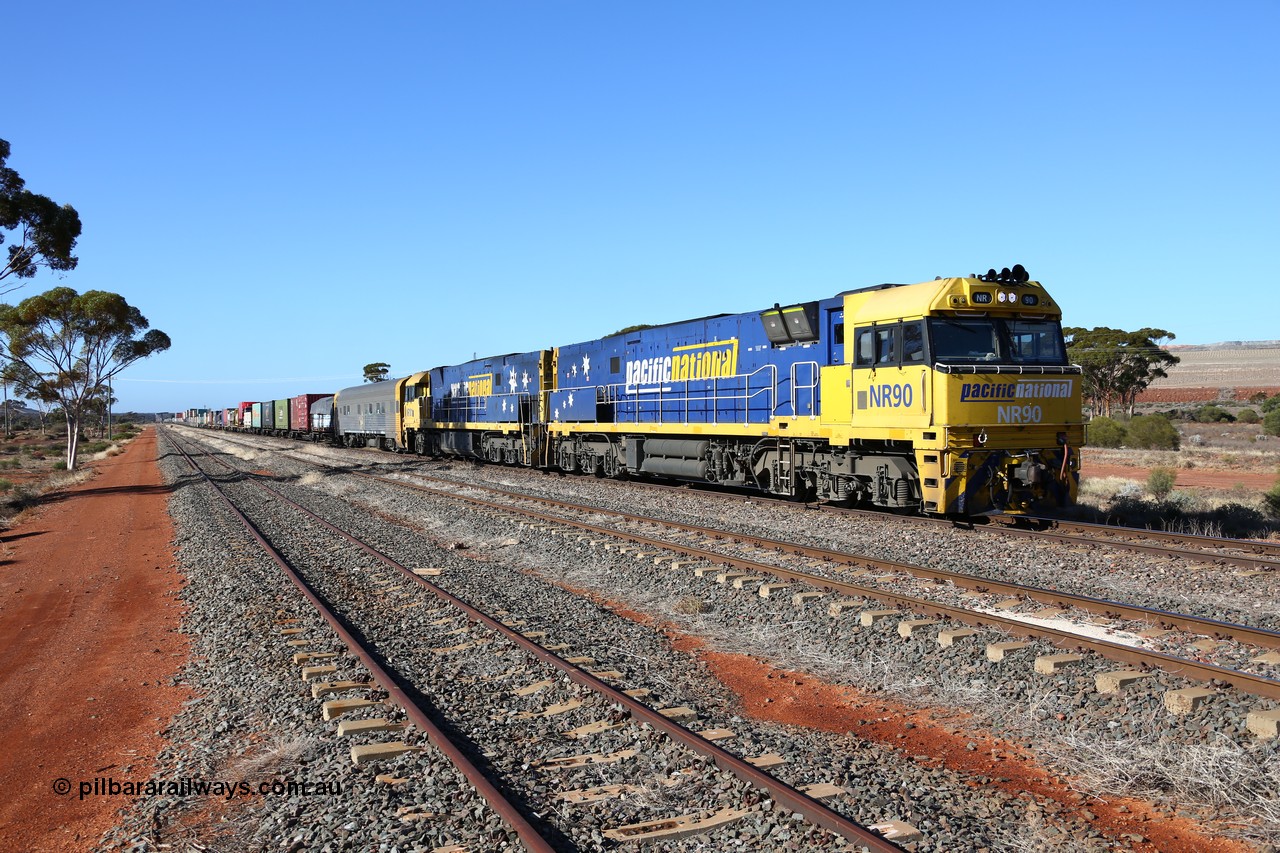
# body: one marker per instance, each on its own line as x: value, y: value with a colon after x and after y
x: 797, y: 801
x: 1111, y: 540
x: 1112, y: 535
x: 1100, y: 606
x: 1109, y: 531
x: 531, y: 837
x: 1196, y: 670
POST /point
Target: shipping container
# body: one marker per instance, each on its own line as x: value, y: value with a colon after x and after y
x: 281, y: 414
x: 300, y: 412
x: 255, y: 416
x: 268, y: 416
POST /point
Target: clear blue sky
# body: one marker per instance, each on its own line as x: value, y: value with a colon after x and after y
x: 293, y: 190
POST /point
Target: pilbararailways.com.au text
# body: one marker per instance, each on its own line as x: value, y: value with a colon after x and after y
x: 188, y: 786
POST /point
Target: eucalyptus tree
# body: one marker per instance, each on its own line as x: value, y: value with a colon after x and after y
x: 40, y: 232
x: 1118, y: 365
x: 66, y: 346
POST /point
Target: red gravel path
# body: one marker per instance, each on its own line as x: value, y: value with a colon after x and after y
x: 88, y: 616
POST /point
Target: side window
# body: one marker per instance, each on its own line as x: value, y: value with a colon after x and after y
x: 837, y: 332
x: 885, y: 345
x: 865, y: 347
x: 912, y: 343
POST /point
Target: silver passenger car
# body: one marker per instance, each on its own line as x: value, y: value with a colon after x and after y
x: 365, y: 415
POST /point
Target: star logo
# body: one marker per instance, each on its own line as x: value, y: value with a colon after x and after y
x: 571, y: 399
x: 526, y: 380
x: 586, y: 366
x: 557, y: 414
x: 512, y: 380
x: 574, y: 372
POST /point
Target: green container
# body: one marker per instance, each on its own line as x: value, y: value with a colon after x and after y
x: 281, y: 408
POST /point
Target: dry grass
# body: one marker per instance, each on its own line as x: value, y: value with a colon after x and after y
x: 1221, y: 777
x: 1223, y: 368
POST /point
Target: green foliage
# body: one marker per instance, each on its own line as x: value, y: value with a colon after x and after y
x: 1271, y: 500
x: 1117, y: 365
x: 376, y: 372
x: 42, y: 233
x: 95, y: 447
x: 1248, y: 416
x: 1257, y: 397
x: 6, y: 485
x: 1152, y: 432
x: 1105, y: 432
x: 637, y: 328
x: 1211, y: 415
x: 1271, y: 404
x: 60, y: 465
x: 64, y: 346
x: 1160, y: 482
x: 1271, y: 422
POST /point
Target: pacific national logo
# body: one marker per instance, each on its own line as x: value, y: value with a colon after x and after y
x: 716, y: 360
x: 1028, y: 389
x: 480, y: 386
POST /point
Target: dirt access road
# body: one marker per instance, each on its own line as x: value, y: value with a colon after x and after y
x: 88, y: 622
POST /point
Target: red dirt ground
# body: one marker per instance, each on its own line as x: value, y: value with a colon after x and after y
x: 88, y: 621
x: 1206, y: 394
x: 1205, y: 478
x: 937, y: 737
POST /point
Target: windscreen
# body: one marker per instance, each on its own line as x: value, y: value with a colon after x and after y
x: 996, y: 340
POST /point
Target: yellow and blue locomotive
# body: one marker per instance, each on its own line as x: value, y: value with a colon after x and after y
x: 951, y: 397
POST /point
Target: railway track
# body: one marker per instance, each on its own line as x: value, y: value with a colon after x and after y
x: 1208, y: 637
x: 1249, y: 554
x: 619, y: 708
x: 762, y: 571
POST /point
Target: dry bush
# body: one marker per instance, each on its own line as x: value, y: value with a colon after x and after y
x: 691, y: 604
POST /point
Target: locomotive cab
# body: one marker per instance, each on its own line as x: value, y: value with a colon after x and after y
x: 974, y: 378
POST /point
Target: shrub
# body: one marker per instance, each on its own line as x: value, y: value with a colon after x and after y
x: 1271, y: 500
x: 1271, y: 404
x: 60, y: 465
x: 1271, y: 423
x: 6, y: 485
x: 94, y: 447
x: 1212, y: 415
x: 1160, y: 482
x: 1105, y: 432
x: 1152, y: 432
x: 1248, y: 416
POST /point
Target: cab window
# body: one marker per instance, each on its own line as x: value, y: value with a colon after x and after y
x: 885, y: 345
x: 912, y: 343
x: 865, y: 347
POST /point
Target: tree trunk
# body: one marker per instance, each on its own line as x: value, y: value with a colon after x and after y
x: 73, y: 438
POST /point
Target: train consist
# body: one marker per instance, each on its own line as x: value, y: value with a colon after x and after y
x: 948, y: 397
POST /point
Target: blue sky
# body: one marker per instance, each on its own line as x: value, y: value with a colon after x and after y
x: 293, y: 190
